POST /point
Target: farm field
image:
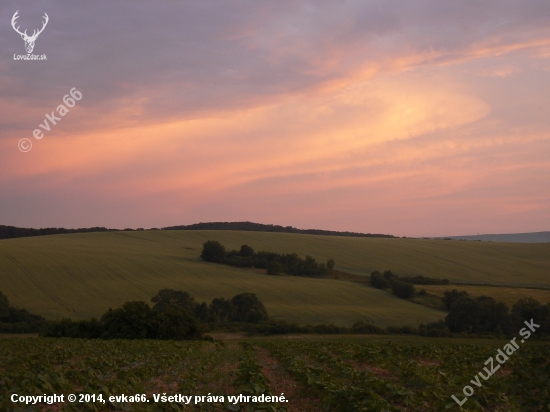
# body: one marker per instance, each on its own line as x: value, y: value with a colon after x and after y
x: 503, y: 294
x: 314, y: 374
x: 82, y: 275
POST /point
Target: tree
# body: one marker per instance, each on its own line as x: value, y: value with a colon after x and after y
x: 4, y: 306
x: 221, y: 310
x: 68, y: 328
x: 173, y: 323
x: 166, y: 298
x: 213, y: 251
x: 483, y: 314
x: 403, y: 290
x: 330, y: 264
x: 201, y: 312
x: 378, y: 280
x: 246, y: 251
x: 529, y: 308
x: 248, y: 308
x: 449, y: 297
x: 390, y: 276
x: 130, y: 321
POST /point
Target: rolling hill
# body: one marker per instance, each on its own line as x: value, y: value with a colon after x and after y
x: 533, y: 237
x: 81, y: 275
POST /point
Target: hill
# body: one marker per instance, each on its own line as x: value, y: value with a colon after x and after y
x: 10, y: 232
x: 533, y: 237
x: 259, y: 227
x: 81, y: 275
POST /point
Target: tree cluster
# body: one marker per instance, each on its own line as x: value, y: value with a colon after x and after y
x: 174, y: 315
x: 244, y: 307
x: 485, y: 315
x: 275, y: 263
x: 8, y: 232
x: 424, y: 280
x: 259, y: 227
x: 400, y: 288
x: 133, y: 320
x: 14, y: 320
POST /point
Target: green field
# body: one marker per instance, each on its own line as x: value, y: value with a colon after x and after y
x: 314, y: 374
x: 81, y: 275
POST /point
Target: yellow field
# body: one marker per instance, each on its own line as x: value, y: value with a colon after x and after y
x: 81, y: 275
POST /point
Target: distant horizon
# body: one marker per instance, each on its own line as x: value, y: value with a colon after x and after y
x: 169, y: 227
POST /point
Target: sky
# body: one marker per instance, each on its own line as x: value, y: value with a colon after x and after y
x: 411, y: 118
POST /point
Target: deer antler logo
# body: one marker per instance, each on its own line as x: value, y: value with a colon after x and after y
x: 29, y: 40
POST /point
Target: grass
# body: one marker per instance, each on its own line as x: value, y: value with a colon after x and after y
x: 81, y: 275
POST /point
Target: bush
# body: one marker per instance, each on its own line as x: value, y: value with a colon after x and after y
x: 435, y: 329
x: 173, y: 323
x: 89, y: 329
x: 274, y: 268
x: 275, y: 327
x: 4, y: 306
x: 170, y: 298
x: 133, y: 320
x: 403, y: 290
x: 452, y: 296
x: 378, y: 280
x: 330, y: 329
x: 221, y: 310
x: 480, y: 315
x: 390, y: 276
x: 130, y: 321
x: 366, y: 328
x: 422, y: 280
x: 21, y: 321
x: 402, y: 330
x: 248, y: 308
x: 213, y: 251
x: 246, y: 251
x: 529, y: 308
x: 291, y: 264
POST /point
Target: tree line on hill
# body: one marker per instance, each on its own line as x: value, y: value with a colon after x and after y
x: 275, y: 263
x: 402, y: 287
x: 485, y: 314
x: 8, y: 232
x: 259, y: 227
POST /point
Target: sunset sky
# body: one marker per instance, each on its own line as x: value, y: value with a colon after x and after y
x: 412, y: 118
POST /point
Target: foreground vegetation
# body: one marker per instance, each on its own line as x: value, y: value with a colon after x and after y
x: 358, y: 374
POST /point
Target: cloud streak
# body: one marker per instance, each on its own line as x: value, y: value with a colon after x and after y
x: 417, y: 118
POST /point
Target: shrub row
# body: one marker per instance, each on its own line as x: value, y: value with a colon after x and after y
x: 275, y: 263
